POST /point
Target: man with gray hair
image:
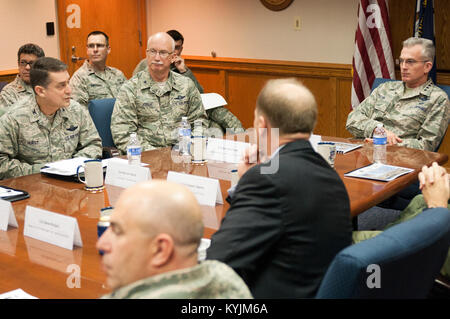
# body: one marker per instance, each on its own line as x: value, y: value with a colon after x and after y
x: 150, y: 249
x: 414, y: 111
x: 284, y: 227
x: 153, y: 102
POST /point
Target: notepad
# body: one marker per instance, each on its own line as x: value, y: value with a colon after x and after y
x: 12, y: 194
x: 379, y: 172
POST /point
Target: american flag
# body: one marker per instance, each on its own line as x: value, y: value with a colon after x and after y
x: 373, y: 51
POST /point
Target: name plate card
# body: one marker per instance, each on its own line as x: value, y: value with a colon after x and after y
x: 7, y: 216
x: 227, y: 151
x: 120, y: 173
x: 221, y: 170
x: 56, y: 229
x: 206, y: 190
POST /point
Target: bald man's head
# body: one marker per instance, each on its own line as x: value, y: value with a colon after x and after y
x: 159, y: 206
x: 161, y: 37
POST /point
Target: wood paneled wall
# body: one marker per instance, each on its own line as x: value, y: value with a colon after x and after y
x: 240, y: 80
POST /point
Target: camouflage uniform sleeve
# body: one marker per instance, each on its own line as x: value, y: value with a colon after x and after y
x: 79, y: 90
x: 7, y: 98
x: 225, y: 119
x: 358, y: 122
x: 90, y: 143
x: 196, y: 109
x: 9, y: 165
x: 124, y: 119
x: 433, y: 128
x: 142, y: 65
x: 191, y: 75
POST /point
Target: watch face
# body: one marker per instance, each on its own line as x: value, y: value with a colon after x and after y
x: 276, y: 5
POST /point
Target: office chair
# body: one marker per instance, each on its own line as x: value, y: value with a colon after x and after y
x: 409, y: 256
x: 100, y: 111
x: 2, y: 85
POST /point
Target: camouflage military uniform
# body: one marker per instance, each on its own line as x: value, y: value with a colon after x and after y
x: 418, y: 116
x: 12, y: 92
x: 89, y: 85
x: 154, y: 112
x: 220, y: 117
x: 28, y: 140
x: 210, y: 279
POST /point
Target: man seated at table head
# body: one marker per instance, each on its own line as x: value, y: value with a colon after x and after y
x: 153, y: 102
x: 285, y: 224
x: 150, y: 248
x: 47, y: 126
x: 21, y: 87
x: 94, y: 79
x: 413, y: 111
x: 220, y: 117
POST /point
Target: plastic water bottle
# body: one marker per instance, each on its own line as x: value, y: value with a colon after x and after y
x: 184, y: 136
x: 134, y: 150
x: 379, y: 144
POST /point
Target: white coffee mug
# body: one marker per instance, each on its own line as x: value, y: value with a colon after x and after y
x: 328, y: 151
x: 93, y: 173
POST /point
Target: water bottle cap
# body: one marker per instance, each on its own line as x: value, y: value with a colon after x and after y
x: 380, y: 125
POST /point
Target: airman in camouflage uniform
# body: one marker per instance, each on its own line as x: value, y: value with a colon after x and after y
x: 151, y: 249
x: 46, y: 127
x: 414, y: 112
x: 153, y: 102
x: 418, y: 116
x: 211, y: 279
x: 20, y: 87
x: 88, y: 84
x: 94, y: 79
x: 220, y: 117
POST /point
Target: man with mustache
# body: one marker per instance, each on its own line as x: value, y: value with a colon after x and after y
x: 414, y: 111
x: 94, y: 79
x: 20, y: 87
x: 153, y: 102
x: 47, y: 126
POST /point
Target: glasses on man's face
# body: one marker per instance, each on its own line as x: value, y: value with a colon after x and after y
x: 409, y: 62
x: 163, y: 54
x: 96, y: 45
x: 24, y: 63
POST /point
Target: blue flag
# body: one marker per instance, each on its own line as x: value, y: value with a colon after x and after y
x: 424, y: 26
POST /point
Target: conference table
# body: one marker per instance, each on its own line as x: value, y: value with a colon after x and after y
x: 47, y: 271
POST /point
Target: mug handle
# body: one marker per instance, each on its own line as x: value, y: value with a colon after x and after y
x: 78, y: 175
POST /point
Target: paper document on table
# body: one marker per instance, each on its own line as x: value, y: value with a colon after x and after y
x: 342, y: 148
x: 212, y: 100
x: 17, y: 294
x: 226, y: 151
x: 379, y: 172
x: 67, y: 167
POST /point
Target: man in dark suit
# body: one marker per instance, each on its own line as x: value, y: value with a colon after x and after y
x: 288, y: 216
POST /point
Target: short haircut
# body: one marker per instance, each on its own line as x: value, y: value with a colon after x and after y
x: 39, y: 73
x: 96, y: 32
x: 30, y: 48
x: 176, y: 36
x: 428, y: 49
x: 288, y: 105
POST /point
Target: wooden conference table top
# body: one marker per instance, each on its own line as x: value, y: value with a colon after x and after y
x: 48, y: 271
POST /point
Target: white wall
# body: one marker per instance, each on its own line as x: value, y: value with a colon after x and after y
x: 23, y: 21
x: 247, y: 29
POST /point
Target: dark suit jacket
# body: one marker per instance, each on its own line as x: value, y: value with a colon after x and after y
x: 283, y: 229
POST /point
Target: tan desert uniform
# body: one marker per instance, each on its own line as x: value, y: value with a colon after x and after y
x: 12, y: 92
x: 210, y: 279
x: 89, y: 85
x: 418, y: 116
x: 29, y: 140
x: 154, y: 112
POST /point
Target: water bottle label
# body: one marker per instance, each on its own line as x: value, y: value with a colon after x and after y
x: 379, y: 140
x: 134, y: 151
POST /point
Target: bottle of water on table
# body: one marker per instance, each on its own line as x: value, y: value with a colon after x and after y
x: 379, y: 144
x: 134, y: 150
x: 184, y: 136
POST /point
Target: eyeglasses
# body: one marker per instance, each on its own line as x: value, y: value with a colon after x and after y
x: 163, y: 54
x: 409, y: 62
x: 98, y: 45
x: 24, y: 63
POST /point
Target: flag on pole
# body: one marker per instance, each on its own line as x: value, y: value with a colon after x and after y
x: 373, y: 50
x: 424, y: 26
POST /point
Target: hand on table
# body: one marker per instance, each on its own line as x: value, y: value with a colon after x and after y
x: 434, y: 185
